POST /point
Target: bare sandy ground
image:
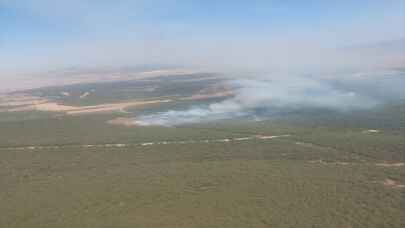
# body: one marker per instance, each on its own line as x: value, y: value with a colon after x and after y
x: 29, y: 103
x: 24, y: 102
x: 47, y: 106
x: 114, y: 106
x: 392, y: 184
x: 123, y: 121
x: 20, y: 100
x: 66, y: 77
x: 392, y: 164
x: 371, y: 131
x: 167, y: 72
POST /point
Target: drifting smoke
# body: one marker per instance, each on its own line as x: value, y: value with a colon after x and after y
x: 256, y: 98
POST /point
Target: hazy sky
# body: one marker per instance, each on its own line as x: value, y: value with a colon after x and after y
x: 43, y: 34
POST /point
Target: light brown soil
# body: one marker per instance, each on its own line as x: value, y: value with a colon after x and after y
x: 28, y: 103
x: 392, y: 184
x: 20, y: 100
x: 112, y: 107
x: 47, y: 106
x: 386, y: 164
x: 371, y: 131
x: 122, y: 121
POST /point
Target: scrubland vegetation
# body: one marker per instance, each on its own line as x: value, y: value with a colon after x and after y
x: 333, y: 169
x: 324, y: 177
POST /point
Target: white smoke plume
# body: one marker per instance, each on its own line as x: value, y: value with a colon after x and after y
x: 253, y: 95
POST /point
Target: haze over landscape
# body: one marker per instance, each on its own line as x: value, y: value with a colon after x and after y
x: 40, y: 35
x: 202, y: 113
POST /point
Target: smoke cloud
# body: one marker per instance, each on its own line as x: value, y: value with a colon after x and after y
x: 257, y: 98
